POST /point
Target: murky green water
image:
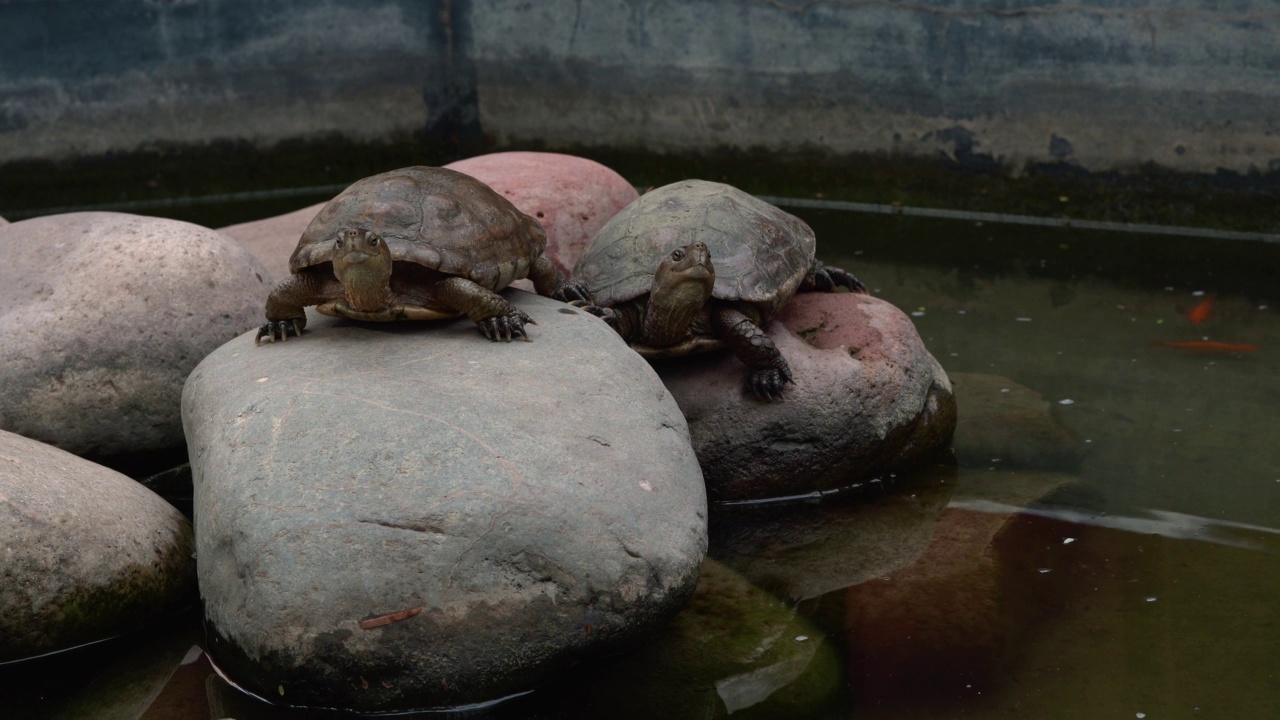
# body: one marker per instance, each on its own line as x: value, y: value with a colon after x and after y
x: 1136, y: 575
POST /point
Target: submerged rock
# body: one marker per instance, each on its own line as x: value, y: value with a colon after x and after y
x: 734, y: 650
x: 88, y: 553
x: 1011, y: 424
x: 272, y: 240
x: 960, y: 615
x: 804, y: 550
x: 868, y: 400
x: 103, y: 315
x: 407, y: 515
x: 572, y: 197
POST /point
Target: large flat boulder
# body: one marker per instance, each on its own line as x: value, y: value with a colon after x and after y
x: 103, y: 315
x: 407, y: 515
x: 87, y: 553
x: 868, y: 401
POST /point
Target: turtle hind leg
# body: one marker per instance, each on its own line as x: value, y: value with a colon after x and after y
x: 492, y: 314
x: 767, y: 371
x: 826, y: 278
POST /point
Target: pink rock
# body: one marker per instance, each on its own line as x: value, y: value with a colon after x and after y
x: 273, y: 239
x: 572, y: 197
x: 868, y: 400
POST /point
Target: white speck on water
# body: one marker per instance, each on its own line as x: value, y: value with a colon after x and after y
x: 1023, y: 319
x: 917, y: 313
x: 801, y: 638
x: 263, y: 379
x: 1197, y: 293
x: 1262, y: 307
x: 1045, y: 570
x: 1088, y: 439
x: 955, y: 354
x: 857, y: 252
x: 995, y: 459
x: 962, y: 312
x: 1151, y: 598
x: 1068, y: 541
x: 1141, y: 715
x: 1004, y: 389
x: 1066, y: 401
x: 1177, y: 429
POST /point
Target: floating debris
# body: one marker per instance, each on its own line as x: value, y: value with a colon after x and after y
x: 1066, y: 401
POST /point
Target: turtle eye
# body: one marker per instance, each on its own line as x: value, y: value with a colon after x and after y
x: 678, y: 255
x: 373, y: 240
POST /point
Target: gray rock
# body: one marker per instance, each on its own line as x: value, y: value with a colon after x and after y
x: 103, y: 315
x: 1010, y: 424
x: 88, y: 553
x: 868, y: 400
x: 3, y: 222
x: 407, y: 515
x: 272, y: 240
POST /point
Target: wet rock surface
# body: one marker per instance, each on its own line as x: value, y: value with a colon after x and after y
x: 103, y: 315
x: 407, y: 515
x: 572, y: 197
x: 868, y: 400
x: 88, y: 553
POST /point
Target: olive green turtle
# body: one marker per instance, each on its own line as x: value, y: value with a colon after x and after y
x: 418, y: 243
x: 698, y: 265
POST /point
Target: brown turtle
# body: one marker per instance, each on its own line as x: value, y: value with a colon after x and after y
x: 419, y: 243
x: 650, y: 271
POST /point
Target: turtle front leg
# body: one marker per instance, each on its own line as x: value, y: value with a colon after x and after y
x: 548, y: 281
x: 826, y: 278
x: 767, y: 371
x: 286, y: 302
x: 494, y: 316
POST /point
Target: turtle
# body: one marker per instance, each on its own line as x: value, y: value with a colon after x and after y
x: 699, y: 265
x: 418, y: 243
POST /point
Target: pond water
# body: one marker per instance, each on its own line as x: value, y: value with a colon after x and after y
x: 1125, y: 567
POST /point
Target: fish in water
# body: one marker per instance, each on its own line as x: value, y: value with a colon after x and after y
x: 1201, y: 312
x: 1212, y: 346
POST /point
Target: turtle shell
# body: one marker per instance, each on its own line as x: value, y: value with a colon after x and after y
x: 761, y: 254
x: 438, y: 218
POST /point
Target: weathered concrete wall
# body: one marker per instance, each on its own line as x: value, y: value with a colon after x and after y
x: 1193, y: 85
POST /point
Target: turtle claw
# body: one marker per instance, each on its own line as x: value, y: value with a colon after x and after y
x: 604, y: 313
x: 273, y: 329
x: 768, y: 383
x: 826, y: 278
x: 572, y: 292
x: 506, y: 327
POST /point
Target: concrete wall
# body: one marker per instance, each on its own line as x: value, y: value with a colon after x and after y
x: 1192, y: 85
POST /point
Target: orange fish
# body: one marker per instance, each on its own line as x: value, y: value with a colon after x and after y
x: 1206, y: 346
x: 1201, y: 312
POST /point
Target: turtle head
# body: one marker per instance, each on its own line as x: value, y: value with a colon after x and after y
x: 681, y: 287
x: 362, y: 263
